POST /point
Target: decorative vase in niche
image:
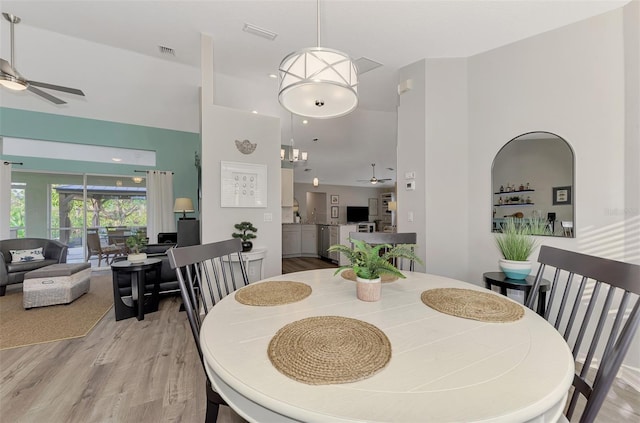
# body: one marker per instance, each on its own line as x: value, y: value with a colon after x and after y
x: 247, y: 246
x: 515, y: 269
x: 137, y: 258
x: 368, y: 289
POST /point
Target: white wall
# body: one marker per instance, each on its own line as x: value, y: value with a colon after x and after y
x: 432, y: 143
x: 221, y: 126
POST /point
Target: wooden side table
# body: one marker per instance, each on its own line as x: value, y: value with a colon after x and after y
x: 501, y: 280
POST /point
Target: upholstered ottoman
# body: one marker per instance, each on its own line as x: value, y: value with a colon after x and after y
x: 55, y: 284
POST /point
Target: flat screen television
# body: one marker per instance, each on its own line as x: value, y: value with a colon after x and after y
x: 357, y: 214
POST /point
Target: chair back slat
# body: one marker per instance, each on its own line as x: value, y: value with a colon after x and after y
x: 206, y: 275
x: 587, y: 294
x: 393, y: 239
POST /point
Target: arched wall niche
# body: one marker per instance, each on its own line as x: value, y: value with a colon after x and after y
x: 533, y: 175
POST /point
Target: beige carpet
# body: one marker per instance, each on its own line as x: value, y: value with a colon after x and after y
x: 20, y: 327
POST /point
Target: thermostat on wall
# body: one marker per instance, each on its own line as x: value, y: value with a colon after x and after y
x: 411, y: 185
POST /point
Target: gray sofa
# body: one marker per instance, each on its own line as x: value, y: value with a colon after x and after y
x: 10, y: 273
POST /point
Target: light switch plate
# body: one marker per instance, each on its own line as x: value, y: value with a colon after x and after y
x: 410, y: 186
x: 409, y: 175
x: 268, y: 217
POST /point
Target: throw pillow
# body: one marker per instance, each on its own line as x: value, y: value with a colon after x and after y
x: 21, y: 256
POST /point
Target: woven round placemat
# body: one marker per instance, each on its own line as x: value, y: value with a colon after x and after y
x: 329, y: 349
x: 349, y: 274
x: 273, y: 293
x: 472, y: 304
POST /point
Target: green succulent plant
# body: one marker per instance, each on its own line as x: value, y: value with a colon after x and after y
x: 368, y: 262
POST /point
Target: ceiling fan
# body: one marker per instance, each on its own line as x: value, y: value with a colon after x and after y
x: 373, y: 179
x: 11, y: 78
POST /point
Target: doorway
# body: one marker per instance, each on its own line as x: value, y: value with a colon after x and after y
x: 316, y: 207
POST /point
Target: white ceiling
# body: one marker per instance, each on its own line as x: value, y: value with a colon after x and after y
x: 394, y: 33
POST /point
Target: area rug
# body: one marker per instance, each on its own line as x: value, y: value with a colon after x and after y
x: 20, y: 327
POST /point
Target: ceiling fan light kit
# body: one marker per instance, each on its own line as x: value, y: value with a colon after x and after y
x: 10, y: 78
x: 318, y: 82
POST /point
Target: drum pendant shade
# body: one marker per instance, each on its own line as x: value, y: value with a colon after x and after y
x: 319, y: 83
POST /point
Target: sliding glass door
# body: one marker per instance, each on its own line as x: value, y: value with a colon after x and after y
x: 65, y: 207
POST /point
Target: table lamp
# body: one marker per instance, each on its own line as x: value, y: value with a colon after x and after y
x: 184, y: 206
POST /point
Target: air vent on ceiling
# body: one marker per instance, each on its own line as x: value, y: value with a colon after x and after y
x: 365, y: 65
x: 167, y: 50
x: 260, y: 32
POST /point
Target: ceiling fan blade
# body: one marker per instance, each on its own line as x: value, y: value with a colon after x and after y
x: 48, y: 96
x: 6, y: 68
x: 57, y: 87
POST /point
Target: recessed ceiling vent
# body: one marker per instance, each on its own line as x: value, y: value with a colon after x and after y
x: 365, y: 65
x: 260, y: 32
x: 167, y: 50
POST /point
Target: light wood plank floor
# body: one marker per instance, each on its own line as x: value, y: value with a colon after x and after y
x: 143, y: 372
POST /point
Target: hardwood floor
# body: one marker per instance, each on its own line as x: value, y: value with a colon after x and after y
x: 299, y: 264
x: 145, y: 372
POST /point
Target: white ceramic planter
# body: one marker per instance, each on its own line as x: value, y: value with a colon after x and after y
x: 368, y: 289
x: 515, y: 269
x: 137, y: 258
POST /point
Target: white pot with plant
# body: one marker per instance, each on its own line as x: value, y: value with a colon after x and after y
x: 136, y: 243
x: 368, y: 263
x: 516, y: 243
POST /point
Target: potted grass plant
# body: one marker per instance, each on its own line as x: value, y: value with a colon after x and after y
x: 516, y: 243
x: 136, y: 243
x: 370, y: 262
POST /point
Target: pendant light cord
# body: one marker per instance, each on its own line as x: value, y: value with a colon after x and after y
x: 291, y: 148
x: 318, y: 21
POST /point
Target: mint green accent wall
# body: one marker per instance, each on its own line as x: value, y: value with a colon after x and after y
x: 175, y: 150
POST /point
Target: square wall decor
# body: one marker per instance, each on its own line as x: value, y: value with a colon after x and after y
x: 243, y: 184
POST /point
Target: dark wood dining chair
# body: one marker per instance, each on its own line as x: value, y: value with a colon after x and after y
x: 581, y: 306
x: 393, y: 239
x: 205, y: 276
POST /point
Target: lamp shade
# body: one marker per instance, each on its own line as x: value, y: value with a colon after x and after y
x: 183, y: 205
x: 393, y: 206
x: 318, y: 82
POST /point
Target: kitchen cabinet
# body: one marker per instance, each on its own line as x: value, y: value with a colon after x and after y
x: 287, y: 187
x: 309, y: 240
x: 299, y: 240
x: 291, y: 240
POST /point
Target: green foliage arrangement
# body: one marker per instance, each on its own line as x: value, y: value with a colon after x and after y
x: 367, y: 262
x: 136, y: 243
x: 516, y: 241
x: 246, y: 228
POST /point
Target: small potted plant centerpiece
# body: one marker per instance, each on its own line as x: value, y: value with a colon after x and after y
x: 246, y: 229
x: 516, y: 243
x: 136, y: 243
x: 368, y: 263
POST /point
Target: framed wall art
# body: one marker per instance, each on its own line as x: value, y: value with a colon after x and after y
x: 561, y: 196
x: 335, y: 199
x: 334, y: 212
x: 243, y: 184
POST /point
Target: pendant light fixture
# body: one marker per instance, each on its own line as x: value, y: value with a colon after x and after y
x: 294, y: 153
x: 318, y: 82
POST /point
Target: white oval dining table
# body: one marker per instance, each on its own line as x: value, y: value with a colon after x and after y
x: 442, y: 369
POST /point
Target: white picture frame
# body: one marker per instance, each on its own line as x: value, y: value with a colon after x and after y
x: 243, y: 184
